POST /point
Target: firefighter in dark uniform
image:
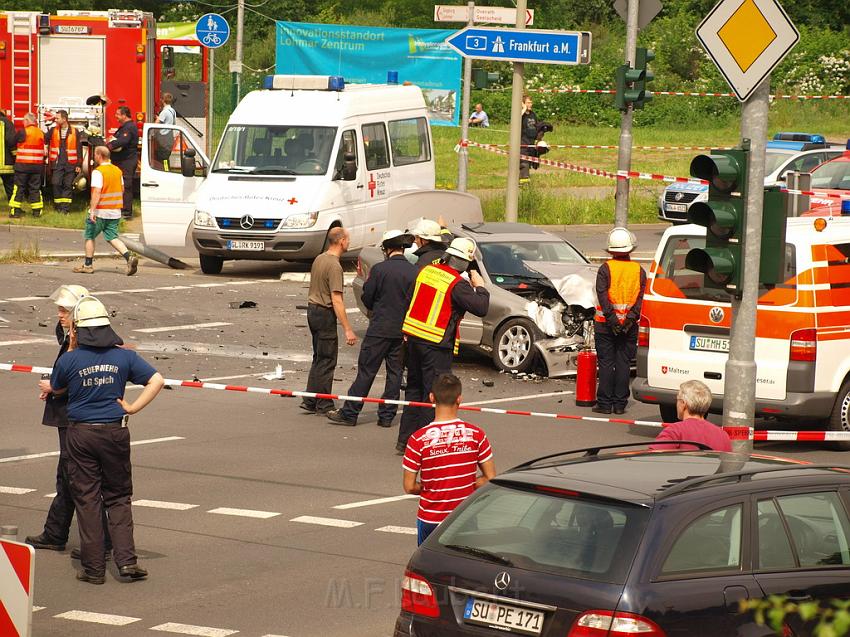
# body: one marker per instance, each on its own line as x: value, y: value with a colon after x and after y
x: 8, y: 139
x: 430, y: 241
x: 29, y: 168
x: 125, y: 154
x: 64, y: 152
x: 528, y: 138
x: 620, y: 284
x: 441, y: 296
x: 94, y: 373
x: 58, y: 523
x: 386, y: 294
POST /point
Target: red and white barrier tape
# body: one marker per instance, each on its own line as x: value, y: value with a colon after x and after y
x: 596, y: 172
x: 736, y: 433
x: 816, y: 193
x: 614, y: 147
x: 603, y: 91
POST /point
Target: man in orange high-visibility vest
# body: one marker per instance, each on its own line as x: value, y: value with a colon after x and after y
x: 29, y: 169
x: 620, y: 284
x: 63, y: 160
x: 107, y: 193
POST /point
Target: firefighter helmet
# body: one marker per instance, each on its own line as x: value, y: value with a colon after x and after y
x: 621, y: 240
x: 462, y: 248
x: 68, y: 296
x: 90, y: 312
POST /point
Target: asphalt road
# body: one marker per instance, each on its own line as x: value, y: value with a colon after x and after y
x: 251, y: 516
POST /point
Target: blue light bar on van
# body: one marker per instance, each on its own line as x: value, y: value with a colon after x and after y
x: 304, y: 82
x: 336, y: 83
x: 392, y: 77
x: 800, y: 137
x: 845, y: 207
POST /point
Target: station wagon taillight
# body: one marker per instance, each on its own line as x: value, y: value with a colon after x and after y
x: 417, y: 596
x: 804, y: 345
x: 643, y: 332
x: 599, y: 623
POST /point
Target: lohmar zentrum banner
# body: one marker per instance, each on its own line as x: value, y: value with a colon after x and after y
x: 363, y: 55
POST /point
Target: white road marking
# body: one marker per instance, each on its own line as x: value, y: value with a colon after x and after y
x: 50, y: 454
x: 109, y: 292
x: 3, y: 320
x: 15, y: 490
x: 187, y: 629
x: 366, y: 503
x: 97, y: 618
x: 26, y: 341
x: 174, y: 328
x: 210, y: 285
x: 343, y: 524
x: 528, y: 397
x: 138, y: 290
x: 50, y: 495
x: 176, y: 287
x: 157, y: 504
x: 404, y: 530
x: 28, y: 298
x: 244, y: 513
x: 352, y: 310
x: 35, y: 609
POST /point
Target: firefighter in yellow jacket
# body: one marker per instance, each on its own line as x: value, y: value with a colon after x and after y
x: 620, y: 284
x: 29, y: 169
x: 107, y: 193
x: 441, y: 296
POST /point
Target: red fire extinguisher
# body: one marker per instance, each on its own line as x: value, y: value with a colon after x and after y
x: 586, y: 378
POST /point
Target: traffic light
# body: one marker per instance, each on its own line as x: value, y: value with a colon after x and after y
x: 723, y: 216
x: 631, y: 82
x: 483, y: 79
x: 773, y: 222
x: 642, y: 59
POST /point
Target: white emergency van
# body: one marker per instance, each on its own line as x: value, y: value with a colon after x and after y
x: 802, y: 349
x: 301, y: 156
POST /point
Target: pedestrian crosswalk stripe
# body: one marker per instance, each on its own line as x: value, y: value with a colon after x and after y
x: 309, y: 519
x: 404, y: 530
x: 188, y: 629
x: 97, y: 618
x: 245, y: 513
x: 366, y: 503
x: 157, y: 504
x: 48, y: 454
x: 15, y: 490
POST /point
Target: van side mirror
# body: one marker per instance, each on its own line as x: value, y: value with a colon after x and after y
x: 349, y: 167
x: 187, y: 163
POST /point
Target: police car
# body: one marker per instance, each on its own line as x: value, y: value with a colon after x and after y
x: 786, y: 151
x: 832, y: 178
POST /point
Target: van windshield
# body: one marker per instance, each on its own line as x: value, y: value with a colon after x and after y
x: 275, y: 150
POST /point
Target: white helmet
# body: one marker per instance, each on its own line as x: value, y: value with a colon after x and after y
x: 68, y: 296
x: 396, y: 239
x: 426, y: 229
x: 462, y: 248
x: 621, y: 240
x: 90, y: 312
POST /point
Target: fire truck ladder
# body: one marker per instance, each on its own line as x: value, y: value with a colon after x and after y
x: 23, y: 27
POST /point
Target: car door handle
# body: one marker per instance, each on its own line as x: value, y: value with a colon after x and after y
x: 150, y: 184
x: 360, y: 185
x: 798, y: 596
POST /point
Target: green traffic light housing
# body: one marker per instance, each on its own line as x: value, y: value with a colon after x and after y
x: 723, y: 172
x: 721, y: 218
x: 718, y: 264
x: 627, y: 78
x: 643, y: 57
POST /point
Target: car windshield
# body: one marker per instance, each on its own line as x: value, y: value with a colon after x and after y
x: 834, y: 174
x: 516, y: 258
x: 580, y: 538
x: 275, y: 150
x: 773, y: 160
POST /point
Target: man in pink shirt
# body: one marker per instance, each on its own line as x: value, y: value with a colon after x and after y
x: 446, y: 455
x: 692, y: 405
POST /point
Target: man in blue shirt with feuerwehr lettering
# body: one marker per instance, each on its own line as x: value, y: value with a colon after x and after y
x: 94, y: 372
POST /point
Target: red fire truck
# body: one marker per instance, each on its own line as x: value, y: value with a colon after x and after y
x: 60, y: 61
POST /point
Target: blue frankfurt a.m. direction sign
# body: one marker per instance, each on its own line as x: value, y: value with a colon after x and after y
x: 212, y: 30
x: 523, y: 45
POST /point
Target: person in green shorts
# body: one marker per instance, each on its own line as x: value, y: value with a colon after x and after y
x: 107, y: 188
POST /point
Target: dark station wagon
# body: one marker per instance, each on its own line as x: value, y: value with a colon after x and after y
x: 611, y: 542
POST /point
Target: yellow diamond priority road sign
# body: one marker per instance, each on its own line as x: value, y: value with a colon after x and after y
x: 747, y: 39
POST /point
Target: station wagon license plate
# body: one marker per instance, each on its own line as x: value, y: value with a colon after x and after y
x: 510, y: 618
x: 256, y: 246
x: 677, y: 207
x: 710, y: 344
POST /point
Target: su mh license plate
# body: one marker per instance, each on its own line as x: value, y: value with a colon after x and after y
x: 710, y: 344
x: 256, y: 246
x: 510, y: 618
x: 677, y: 207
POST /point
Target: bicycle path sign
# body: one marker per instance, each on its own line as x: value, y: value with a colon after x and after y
x: 212, y: 30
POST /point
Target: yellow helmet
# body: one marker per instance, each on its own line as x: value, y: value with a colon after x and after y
x: 68, y: 296
x: 90, y: 312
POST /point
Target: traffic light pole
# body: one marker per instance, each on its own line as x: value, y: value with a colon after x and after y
x: 740, y: 376
x: 463, y: 154
x: 624, y: 154
x: 517, y: 89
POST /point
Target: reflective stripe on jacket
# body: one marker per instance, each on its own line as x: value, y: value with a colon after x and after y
x: 431, y: 306
x: 31, y: 150
x: 624, y: 290
x: 70, y: 145
x: 112, y: 193
x: 7, y: 166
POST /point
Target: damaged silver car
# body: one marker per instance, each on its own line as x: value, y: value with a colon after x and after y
x: 542, y: 297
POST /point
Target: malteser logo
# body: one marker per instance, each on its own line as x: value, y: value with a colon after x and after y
x: 666, y: 369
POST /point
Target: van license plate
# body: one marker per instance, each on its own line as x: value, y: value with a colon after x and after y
x: 677, y: 207
x: 710, y: 344
x: 256, y: 246
x: 510, y: 618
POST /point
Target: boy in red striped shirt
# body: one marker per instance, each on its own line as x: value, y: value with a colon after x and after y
x: 446, y: 455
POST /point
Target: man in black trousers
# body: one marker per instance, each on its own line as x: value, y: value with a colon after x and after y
x: 386, y: 295
x: 125, y: 154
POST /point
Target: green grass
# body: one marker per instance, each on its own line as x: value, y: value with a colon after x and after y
x: 75, y: 220
x: 22, y: 254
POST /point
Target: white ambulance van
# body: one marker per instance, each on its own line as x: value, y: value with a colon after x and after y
x: 301, y: 156
x: 802, y: 348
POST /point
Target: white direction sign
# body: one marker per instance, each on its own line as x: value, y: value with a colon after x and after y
x: 747, y: 39
x: 492, y: 15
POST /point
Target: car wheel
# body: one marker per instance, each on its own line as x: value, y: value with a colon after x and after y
x: 513, y: 346
x: 840, y: 418
x: 211, y: 264
x: 668, y: 413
